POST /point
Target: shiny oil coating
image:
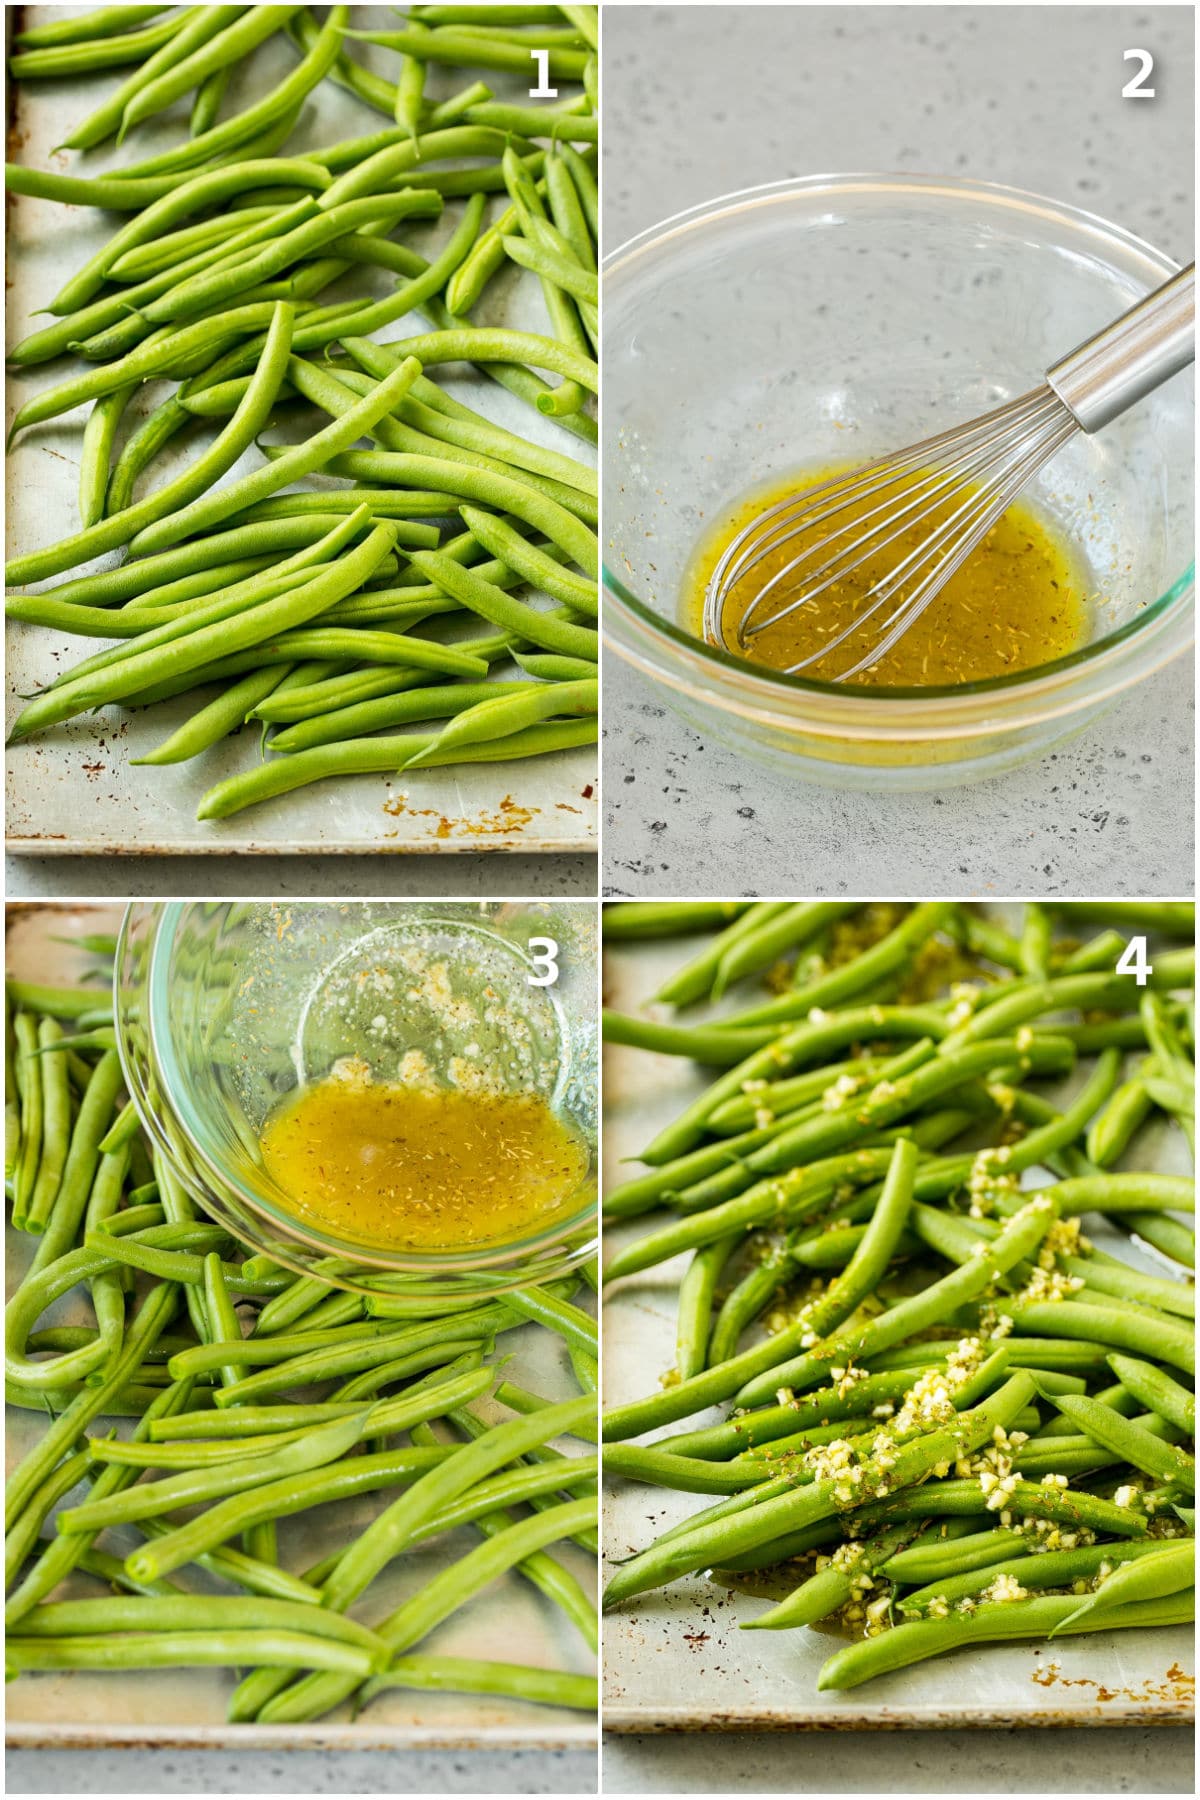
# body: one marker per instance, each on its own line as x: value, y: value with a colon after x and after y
x: 1021, y: 599
x: 405, y: 1167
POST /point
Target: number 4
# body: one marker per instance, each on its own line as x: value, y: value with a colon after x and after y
x: 1133, y: 961
x: 1133, y: 89
x: 545, y: 951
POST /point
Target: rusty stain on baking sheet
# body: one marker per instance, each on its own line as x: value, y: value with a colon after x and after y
x: 1177, y: 1684
x: 511, y: 817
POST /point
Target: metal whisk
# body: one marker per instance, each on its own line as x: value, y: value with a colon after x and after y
x: 967, y: 477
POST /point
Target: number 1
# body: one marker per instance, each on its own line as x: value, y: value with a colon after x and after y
x: 543, y: 90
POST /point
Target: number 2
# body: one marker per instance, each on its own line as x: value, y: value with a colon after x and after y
x: 1133, y: 89
x: 545, y: 951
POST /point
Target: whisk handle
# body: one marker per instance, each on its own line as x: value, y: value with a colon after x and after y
x: 1128, y: 359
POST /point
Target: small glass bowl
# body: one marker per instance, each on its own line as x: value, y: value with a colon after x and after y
x: 830, y: 319
x: 225, y: 1008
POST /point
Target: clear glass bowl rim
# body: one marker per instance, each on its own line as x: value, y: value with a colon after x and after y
x: 564, y: 1233
x: 641, y: 635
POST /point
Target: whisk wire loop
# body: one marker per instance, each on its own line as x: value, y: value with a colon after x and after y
x: 975, y: 470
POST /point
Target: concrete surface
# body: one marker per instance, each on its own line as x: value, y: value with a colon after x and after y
x: 718, y: 98
x: 300, y: 1772
x: 299, y: 877
x: 1116, y: 1761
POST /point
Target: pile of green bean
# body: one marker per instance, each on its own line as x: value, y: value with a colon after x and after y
x: 334, y: 594
x: 254, y: 1396
x: 950, y: 1419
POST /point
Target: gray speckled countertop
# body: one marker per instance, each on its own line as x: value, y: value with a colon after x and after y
x: 555, y: 877
x: 1139, y: 1761
x: 1022, y: 95
x: 300, y: 1772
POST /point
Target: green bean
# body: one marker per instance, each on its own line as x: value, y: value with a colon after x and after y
x: 154, y: 1315
x: 125, y: 526
x: 375, y: 756
x: 584, y: 179
x: 179, y: 201
x: 51, y: 1135
x: 1126, y: 1192
x: 195, y: 26
x: 61, y: 1002
x: 1166, y: 1234
x: 228, y: 46
x: 489, y: 13
x: 427, y: 407
x: 232, y: 275
x: 1170, y: 1569
x: 996, y: 1621
x: 275, y: 112
x: 27, y: 1039
x: 696, y: 1290
x: 202, y: 514
x: 1128, y: 1440
x: 323, y: 1445
x: 208, y: 1649
x: 474, y: 50
x: 890, y: 953
x: 784, y: 929
x: 779, y: 1052
x: 461, y: 1675
x: 188, y: 1613
x: 766, y: 1368
x: 206, y: 106
x: 438, y: 1599
x: 933, y: 1561
x: 1175, y: 918
x: 701, y: 1546
x: 1114, y: 1126
x: 501, y: 715
x: 1100, y: 952
x: 176, y: 247
x: 73, y: 58
x: 558, y: 1315
x: 216, y: 719
x: 553, y: 668
x: 82, y: 1160
x: 1156, y: 1390
x: 1169, y: 1341
x: 252, y: 627
x: 100, y: 21
x: 99, y: 435
x: 396, y: 709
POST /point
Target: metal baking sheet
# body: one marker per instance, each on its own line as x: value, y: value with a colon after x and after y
x: 675, y: 1659
x: 161, y: 1709
x: 73, y: 790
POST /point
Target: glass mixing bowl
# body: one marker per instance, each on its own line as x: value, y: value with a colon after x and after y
x: 834, y: 318
x: 225, y: 1008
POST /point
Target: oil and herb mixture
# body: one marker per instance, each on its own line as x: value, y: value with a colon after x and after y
x: 417, y: 1167
x: 1018, y: 601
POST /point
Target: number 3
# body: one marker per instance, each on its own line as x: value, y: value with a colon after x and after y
x: 544, y: 951
x: 1133, y: 89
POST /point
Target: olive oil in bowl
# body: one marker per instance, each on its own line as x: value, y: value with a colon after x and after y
x: 1019, y: 600
x: 422, y: 1168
